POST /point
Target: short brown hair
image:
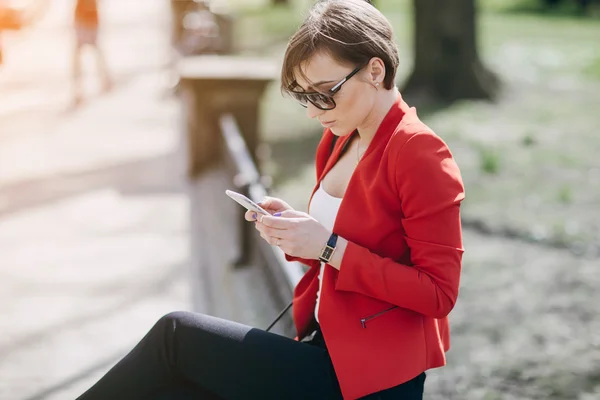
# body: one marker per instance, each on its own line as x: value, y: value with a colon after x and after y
x: 350, y: 31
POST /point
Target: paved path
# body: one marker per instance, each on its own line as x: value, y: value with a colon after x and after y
x: 93, y: 224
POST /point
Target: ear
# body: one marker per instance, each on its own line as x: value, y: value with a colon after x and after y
x: 376, y: 70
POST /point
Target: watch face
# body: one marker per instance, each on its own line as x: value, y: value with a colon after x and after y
x: 327, y: 253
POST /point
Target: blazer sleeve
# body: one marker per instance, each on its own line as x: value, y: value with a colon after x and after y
x: 308, y: 262
x: 430, y: 190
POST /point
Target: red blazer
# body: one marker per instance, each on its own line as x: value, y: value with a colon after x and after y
x: 384, y: 313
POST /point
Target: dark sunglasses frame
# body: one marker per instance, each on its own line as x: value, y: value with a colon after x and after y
x: 329, y: 95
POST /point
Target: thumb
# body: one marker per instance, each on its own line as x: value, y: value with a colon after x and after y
x: 264, y: 202
x: 267, y: 203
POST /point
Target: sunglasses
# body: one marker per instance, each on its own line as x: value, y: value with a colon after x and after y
x: 323, y: 101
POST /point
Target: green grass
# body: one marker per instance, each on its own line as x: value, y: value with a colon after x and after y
x: 565, y: 194
x: 489, y: 160
x: 565, y: 8
x: 528, y: 140
x: 592, y: 70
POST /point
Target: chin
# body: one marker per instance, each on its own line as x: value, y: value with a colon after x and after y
x: 340, y: 131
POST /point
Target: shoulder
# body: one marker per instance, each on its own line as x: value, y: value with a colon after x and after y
x: 413, y: 139
x: 419, y: 158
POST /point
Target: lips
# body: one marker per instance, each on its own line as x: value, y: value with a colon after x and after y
x: 327, y: 124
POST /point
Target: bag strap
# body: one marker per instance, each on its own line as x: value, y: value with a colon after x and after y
x: 282, y: 313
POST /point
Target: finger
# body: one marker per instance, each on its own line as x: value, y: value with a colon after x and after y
x: 272, y: 240
x: 260, y: 217
x: 267, y: 203
x: 292, y: 214
x: 263, y: 229
x: 280, y: 222
x: 276, y: 223
x: 284, y: 245
x: 266, y: 238
x: 250, y: 216
x: 273, y: 232
x: 276, y: 241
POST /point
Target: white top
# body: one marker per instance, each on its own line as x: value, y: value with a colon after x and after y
x: 323, y: 208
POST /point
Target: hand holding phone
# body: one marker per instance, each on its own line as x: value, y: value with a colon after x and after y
x: 246, y: 202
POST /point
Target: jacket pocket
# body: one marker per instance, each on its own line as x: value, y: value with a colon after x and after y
x: 363, y: 321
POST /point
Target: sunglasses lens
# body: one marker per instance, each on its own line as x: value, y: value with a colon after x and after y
x: 321, y: 101
x: 299, y: 97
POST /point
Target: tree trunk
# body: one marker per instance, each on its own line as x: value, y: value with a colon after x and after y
x: 447, y: 66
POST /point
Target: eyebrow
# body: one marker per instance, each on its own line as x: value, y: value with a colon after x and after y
x: 323, y: 82
x: 317, y: 84
x: 295, y: 83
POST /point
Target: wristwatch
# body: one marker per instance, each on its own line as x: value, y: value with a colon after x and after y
x: 329, y: 248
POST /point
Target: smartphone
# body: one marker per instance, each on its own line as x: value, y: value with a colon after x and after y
x: 246, y: 202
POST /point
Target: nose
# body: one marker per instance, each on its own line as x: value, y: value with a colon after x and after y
x: 313, y: 112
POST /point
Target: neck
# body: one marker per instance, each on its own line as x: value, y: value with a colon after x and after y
x: 382, y: 106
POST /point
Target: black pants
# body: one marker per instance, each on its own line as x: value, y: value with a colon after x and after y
x: 189, y: 356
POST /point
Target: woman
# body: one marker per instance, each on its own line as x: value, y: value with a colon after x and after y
x: 382, y: 240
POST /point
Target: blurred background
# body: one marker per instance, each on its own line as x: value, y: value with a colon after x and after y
x: 109, y: 196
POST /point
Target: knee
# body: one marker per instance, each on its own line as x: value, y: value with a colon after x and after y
x: 164, y: 335
x: 166, y: 326
x: 169, y: 322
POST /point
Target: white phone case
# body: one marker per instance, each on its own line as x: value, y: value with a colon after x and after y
x: 245, y: 202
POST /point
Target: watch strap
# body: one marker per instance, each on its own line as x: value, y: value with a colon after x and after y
x: 329, y: 248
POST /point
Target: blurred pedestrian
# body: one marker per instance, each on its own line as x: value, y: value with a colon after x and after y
x: 86, y: 22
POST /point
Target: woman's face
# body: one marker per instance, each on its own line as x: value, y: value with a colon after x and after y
x: 354, y: 101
